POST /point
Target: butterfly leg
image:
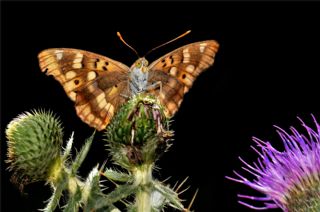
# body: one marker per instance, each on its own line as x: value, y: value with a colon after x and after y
x: 125, y: 96
x: 155, y: 86
x: 128, y: 91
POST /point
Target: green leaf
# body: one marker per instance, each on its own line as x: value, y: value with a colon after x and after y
x: 117, y: 176
x: 121, y: 192
x: 67, y: 150
x: 82, y: 154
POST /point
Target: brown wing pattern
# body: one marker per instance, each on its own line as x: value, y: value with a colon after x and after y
x: 178, y: 69
x: 92, y: 81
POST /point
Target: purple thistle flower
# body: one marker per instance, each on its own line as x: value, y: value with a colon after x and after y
x: 290, y: 180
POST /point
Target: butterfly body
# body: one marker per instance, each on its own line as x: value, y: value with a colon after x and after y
x: 100, y: 85
x: 138, y: 76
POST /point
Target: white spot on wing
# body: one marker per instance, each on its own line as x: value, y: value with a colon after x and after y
x: 108, y: 106
x: 188, y: 81
x: 69, y: 86
x: 202, y: 47
x: 111, y: 109
x: 102, y: 104
x: 77, y: 65
x: 70, y: 74
x: 73, y: 95
x: 173, y: 71
x: 91, y: 75
x: 100, y: 97
x: 78, y: 58
x: 186, y: 59
x: 190, y: 68
x: 59, y: 54
x: 186, y: 56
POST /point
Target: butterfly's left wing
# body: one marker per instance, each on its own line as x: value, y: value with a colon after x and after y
x: 94, y: 82
x: 178, y: 69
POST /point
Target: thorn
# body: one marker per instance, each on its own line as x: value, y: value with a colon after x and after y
x: 192, y: 200
x: 102, y: 167
x: 126, y: 203
x: 181, y: 184
x: 184, y: 190
x: 166, y: 179
x: 174, y: 186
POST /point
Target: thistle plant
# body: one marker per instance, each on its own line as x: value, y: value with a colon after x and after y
x: 137, y: 136
x: 290, y: 179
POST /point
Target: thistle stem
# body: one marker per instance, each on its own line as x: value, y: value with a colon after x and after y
x: 143, y: 178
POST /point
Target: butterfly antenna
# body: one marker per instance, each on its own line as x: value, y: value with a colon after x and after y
x: 170, y: 41
x: 120, y: 37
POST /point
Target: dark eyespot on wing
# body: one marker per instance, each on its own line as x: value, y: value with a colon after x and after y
x: 172, y: 60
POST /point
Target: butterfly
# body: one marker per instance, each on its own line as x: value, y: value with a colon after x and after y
x: 100, y: 85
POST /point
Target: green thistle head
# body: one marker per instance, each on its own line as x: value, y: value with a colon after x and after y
x: 34, y: 143
x: 139, y: 133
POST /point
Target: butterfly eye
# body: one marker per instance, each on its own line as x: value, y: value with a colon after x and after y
x: 138, y: 64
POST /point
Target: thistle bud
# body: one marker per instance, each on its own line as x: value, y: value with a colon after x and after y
x: 138, y: 133
x: 34, y: 143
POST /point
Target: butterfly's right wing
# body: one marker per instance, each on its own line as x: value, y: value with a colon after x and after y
x: 92, y: 81
x: 178, y: 69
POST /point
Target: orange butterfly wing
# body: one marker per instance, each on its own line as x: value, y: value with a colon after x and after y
x: 178, y: 69
x: 94, y: 82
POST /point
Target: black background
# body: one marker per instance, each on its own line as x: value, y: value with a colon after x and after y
x: 265, y: 74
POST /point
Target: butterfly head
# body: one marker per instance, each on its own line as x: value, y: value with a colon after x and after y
x: 141, y: 64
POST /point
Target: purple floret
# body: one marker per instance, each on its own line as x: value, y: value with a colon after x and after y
x: 277, y: 173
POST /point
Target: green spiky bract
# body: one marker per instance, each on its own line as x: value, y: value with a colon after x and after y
x: 34, y: 143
